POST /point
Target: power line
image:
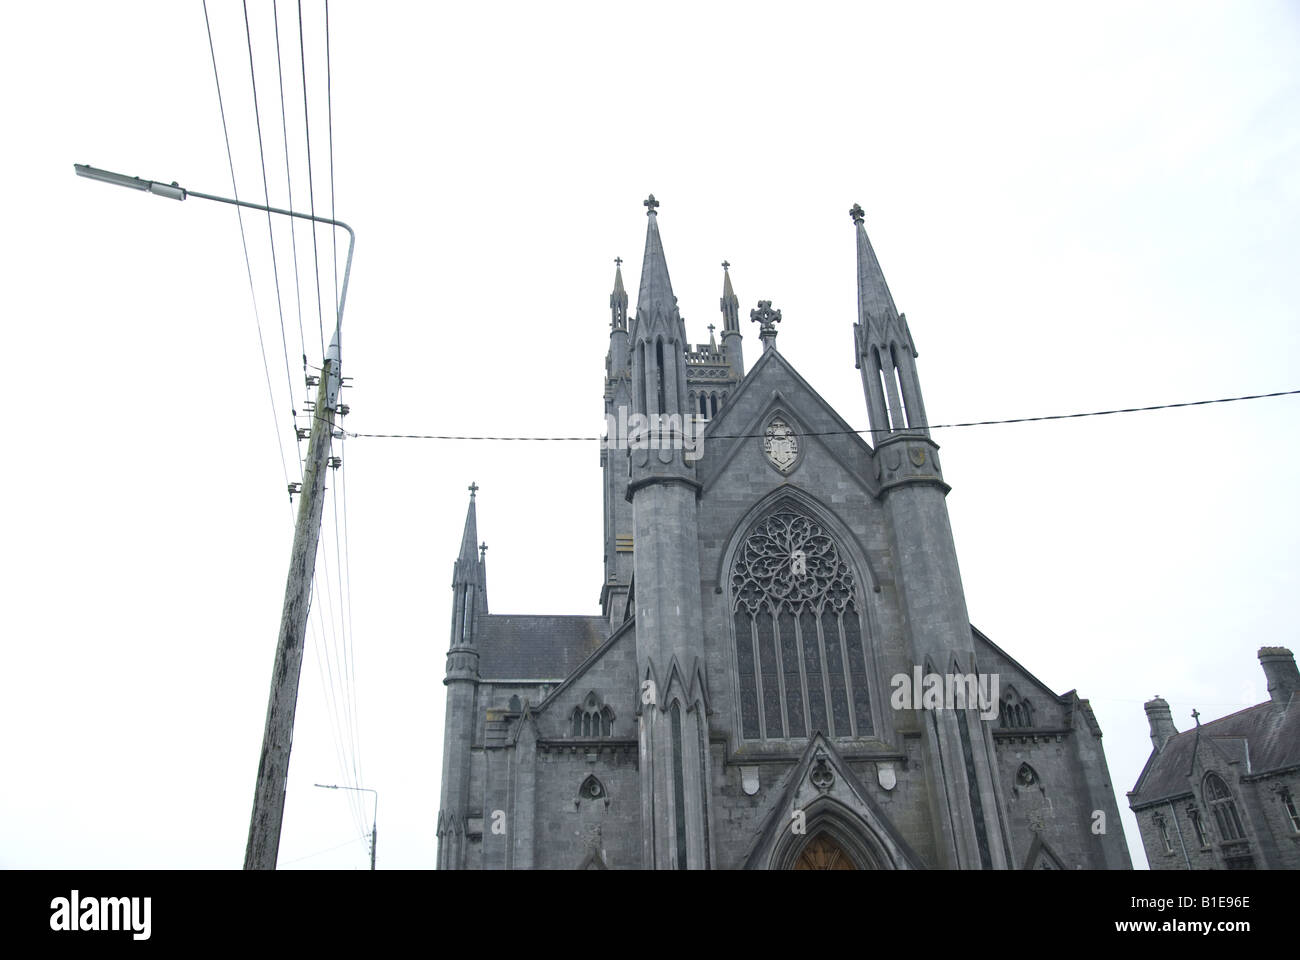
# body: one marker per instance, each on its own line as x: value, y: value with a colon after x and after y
x: 266, y: 192
x: 288, y: 179
x: 248, y: 264
x: 311, y: 189
x: 832, y: 433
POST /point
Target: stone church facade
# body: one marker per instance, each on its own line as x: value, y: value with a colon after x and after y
x: 770, y: 580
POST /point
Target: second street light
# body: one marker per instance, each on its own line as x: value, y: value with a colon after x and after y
x: 374, y: 824
x: 277, y: 738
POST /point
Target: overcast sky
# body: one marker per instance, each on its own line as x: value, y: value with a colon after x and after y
x: 1077, y: 207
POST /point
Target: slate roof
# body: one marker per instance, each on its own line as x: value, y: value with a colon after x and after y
x: 1262, y: 738
x: 526, y: 647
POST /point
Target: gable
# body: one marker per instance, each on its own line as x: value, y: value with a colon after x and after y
x: 773, y: 387
x: 820, y: 792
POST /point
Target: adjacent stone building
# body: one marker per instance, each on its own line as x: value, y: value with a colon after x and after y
x: 1225, y: 794
x: 773, y: 585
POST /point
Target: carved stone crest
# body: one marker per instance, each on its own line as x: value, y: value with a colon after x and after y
x: 781, y: 445
x: 916, y: 455
x: 822, y: 776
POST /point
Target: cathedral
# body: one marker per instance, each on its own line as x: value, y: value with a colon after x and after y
x: 783, y: 674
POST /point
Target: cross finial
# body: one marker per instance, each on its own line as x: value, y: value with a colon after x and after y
x: 765, y: 315
x: 857, y: 214
x: 482, y: 549
x: 473, y: 489
x: 1196, y: 715
x: 725, y: 265
x: 767, y: 319
x: 618, y: 261
x: 650, y: 203
x: 711, y: 328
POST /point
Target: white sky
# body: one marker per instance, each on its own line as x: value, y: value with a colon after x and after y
x: 1077, y: 209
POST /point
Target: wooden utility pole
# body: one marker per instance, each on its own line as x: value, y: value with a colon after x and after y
x: 277, y: 739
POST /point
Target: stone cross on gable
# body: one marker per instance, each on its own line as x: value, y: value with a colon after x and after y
x: 857, y: 214
x: 767, y: 319
x: 473, y: 489
x: 618, y: 261
x: 765, y: 316
x: 1196, y: 715
x: 725, y: 265
x: 650, y: 204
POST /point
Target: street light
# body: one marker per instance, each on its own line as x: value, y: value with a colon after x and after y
x: 277, y: 738
x: 374, y: 824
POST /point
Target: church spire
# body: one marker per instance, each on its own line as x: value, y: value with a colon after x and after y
x: 466, y: 570
x: 886, y: 354
x: 875, y: 304
x: 618, y: 299
x: 731, y: 337
x: 656, y: 307
x: 468, y: 579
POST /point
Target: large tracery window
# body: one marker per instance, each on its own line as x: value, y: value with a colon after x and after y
x: 799, y: 634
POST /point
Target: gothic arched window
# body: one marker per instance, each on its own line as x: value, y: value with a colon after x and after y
x: 799, y: 633
x: 1219, y: 799
x: 592, y: 718
x: 1015, y: 710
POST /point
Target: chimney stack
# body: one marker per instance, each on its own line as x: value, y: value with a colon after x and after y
x: 1280, y: 670
x: 1162, y: 722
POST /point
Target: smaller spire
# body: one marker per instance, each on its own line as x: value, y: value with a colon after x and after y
x: 729, y: 303
x: 468, y: 566
x: 468, y: 541
x: 713, y: 344
x: 482, y: 551
x: 618, y: 299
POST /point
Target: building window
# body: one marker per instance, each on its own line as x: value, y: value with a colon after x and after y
x: 1288, y: 803
x: 1015, y: 710
x: 1163, y: 827
x: 1219, y: 800
x: 592, y: 718
x: 1198, y: 827
x: 800, y: 644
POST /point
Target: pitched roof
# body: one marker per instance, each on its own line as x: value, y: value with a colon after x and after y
x: 1262, y: 738
x: 527, y: 647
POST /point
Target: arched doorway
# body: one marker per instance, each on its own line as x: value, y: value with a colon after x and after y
x: 822, y: 852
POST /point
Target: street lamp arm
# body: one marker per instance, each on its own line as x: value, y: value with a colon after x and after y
x: 352, y: 242
x: 173, y: 191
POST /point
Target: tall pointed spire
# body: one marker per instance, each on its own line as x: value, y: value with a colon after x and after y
x: 886, y: 354
x: 655, y: 303
x: 875, y: 304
